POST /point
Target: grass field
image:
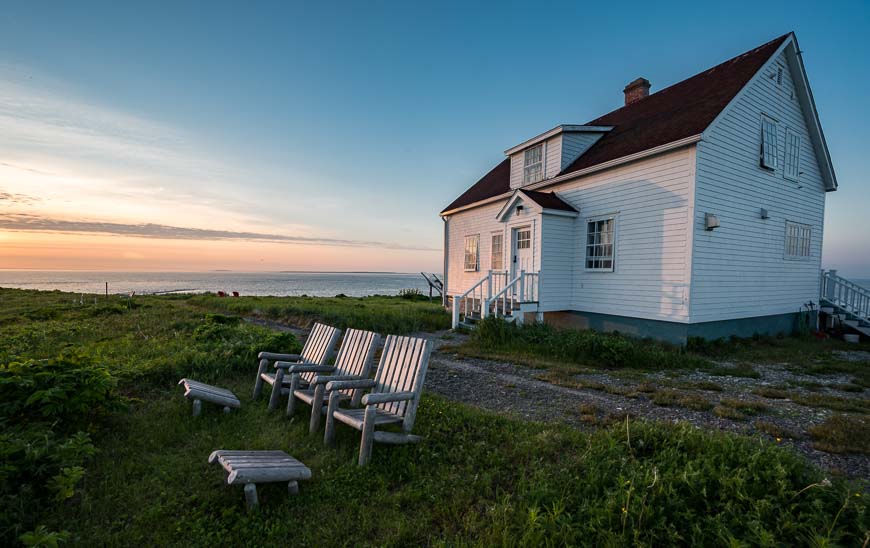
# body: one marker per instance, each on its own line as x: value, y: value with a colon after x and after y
x: 127, y: 464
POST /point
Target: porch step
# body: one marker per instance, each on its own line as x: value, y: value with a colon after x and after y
x: 860, y: 327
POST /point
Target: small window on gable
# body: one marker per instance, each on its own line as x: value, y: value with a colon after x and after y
x: 600, y: 244
x: 533, y: 164
x: 798, y: 239
x: 472, y: 253
x: 769, y: 149
x: 792, y: 164
x: 497, y: 253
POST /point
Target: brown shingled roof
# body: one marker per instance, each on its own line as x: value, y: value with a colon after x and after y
x: 548, y: 200
x: 676, y: 112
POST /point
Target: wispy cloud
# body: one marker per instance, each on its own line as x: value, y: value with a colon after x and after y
x: 35, y: 223
x: 17, y: 199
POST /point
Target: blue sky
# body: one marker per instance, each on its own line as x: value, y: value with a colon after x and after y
x: 345, y: 127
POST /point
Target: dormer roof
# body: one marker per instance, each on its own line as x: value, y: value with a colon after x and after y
x: 561, y: 128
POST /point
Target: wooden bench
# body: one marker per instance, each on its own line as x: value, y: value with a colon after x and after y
x: 200, y: 392
x: 249, y: 468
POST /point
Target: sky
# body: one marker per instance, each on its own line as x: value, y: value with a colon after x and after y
x: 255, y: 136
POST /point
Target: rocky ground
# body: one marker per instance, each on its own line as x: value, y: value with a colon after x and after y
x: 736, y: 403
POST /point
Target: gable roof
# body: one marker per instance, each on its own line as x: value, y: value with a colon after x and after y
x: 682, y: 110
x: 548, y: 200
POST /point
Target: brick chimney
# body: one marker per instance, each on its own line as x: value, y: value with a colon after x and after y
x: 636, y: 90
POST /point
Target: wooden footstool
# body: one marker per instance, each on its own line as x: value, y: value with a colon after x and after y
x: 252, y: 467
x: 200, y: 392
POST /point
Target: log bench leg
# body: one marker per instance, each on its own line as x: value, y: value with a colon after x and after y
x: 293, y: 487
x: 251, y: 496
x: 227, y: 409
x: 197, y: 407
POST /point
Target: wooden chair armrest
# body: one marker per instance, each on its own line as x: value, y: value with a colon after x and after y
x: 274, y: 356
x: 372, y: 399
x: 304, y: 367
x: 342, y: 385
x: 323, y: 379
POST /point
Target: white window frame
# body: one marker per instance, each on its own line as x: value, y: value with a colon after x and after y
x: 798, y: 241
x: 493, y: 263
x: 471, y: 262
x: 587, y: 246
x: 769, y: 144
x: 791, y: 163
x: 536, y: 168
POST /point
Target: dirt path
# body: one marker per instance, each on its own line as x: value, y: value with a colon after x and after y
x: 518, y: 391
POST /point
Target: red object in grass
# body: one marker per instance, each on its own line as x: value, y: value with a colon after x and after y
x: 235, y: 293
x: 221, y: 294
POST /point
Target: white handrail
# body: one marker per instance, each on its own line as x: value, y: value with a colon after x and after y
x: 487, y: 290
x: 845, y: 294
x: 480, y: 291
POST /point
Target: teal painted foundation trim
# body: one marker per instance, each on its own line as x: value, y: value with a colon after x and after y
x: 674, y: 332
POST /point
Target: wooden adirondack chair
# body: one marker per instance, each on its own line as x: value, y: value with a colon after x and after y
x: 317, y: 351
x: 353, y: 362
x: 395, y: 394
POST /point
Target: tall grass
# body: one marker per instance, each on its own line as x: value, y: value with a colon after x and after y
x: 394, y: 315
x: 581, y: 347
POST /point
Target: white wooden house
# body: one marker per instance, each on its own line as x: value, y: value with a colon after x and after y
x: 693, y: 211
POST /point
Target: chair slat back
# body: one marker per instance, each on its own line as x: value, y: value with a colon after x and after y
x: 355, y: 354
x: 403, y: 369
x: 319, y: 346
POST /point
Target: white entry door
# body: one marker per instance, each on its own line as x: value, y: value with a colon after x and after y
x: 522, y: 250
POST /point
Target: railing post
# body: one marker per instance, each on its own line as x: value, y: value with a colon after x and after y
x: 522, y: 285
x: 829, y: 284
x: 455, y: 310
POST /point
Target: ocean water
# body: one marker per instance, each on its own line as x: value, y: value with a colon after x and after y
x: 315, y: 284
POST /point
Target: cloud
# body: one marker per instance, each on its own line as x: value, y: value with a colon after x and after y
x: 35, y: 223
x: 17, y: 199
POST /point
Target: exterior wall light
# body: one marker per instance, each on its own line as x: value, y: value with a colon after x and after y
x: 764, y: 214
x: 710, y: 221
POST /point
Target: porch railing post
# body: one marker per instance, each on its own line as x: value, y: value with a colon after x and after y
x: 455, y: 310
x: 522, y: 285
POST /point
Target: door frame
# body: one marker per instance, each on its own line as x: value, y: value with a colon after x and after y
x: 514, y: 230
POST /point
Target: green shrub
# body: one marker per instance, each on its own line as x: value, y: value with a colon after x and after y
x: 580, y: 346
x: 68, y: 391
x: 46, y: 407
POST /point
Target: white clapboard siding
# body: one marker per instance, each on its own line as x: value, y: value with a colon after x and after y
x: 553, y: 155
x: 739, y: 269
x: 651, y: 199
x: 558, y: 262
x: 480, y: 220
x: 574, y: 144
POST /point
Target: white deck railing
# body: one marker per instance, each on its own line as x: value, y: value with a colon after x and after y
x: 847, y: 295
x: 480, y: 297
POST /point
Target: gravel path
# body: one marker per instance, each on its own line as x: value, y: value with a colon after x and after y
x: 518, y: 391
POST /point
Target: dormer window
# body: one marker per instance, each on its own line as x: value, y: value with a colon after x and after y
x: 533, y: 164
